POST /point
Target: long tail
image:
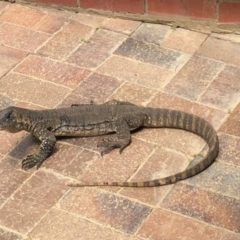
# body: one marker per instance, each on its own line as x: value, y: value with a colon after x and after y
x: 173, y: 119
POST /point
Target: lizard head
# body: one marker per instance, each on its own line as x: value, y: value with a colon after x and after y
x: 7, y: 119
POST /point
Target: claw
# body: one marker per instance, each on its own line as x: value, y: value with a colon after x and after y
x: 29, y: 162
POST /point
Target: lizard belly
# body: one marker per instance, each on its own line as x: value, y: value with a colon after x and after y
x: 84, y: 131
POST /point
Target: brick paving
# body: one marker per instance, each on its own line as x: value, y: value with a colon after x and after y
x: 50, y: 59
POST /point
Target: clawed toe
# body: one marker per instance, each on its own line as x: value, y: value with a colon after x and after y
x: 29, y: 162
x: 110, y: 143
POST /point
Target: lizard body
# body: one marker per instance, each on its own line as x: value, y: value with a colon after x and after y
x: 112, y: 116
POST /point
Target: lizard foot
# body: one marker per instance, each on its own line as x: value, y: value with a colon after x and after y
x: 30, y: 161
x: 109, y: 143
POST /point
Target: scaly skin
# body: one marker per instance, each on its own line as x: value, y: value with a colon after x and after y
x: 113, y: 116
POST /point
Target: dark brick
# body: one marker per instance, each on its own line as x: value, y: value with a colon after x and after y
x: 204, y: 205
x: 108, y: 209
x: 189, y: 82
x: 163, y: 224
x: 151, y: 53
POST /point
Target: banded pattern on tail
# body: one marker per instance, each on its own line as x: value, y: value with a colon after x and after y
x: 172, y: 119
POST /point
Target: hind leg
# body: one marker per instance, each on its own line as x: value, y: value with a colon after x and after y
x: 121, y: 140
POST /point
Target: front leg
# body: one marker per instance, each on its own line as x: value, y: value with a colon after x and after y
x: 48, y: 142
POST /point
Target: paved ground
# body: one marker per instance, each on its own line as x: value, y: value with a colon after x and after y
x: 52, y: 58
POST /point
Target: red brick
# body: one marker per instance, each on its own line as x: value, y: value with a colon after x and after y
x: 9, y: 58
x: 229, y: 155
x: 105, y: 86
x: 53, y: 71
x: 232, y: 125
x: 105, y: 208
x: 25, y: 39
x: 141, y: 73
x: 161, y: 163
x: 72, y: 228
x: 133, y: 6
x: 121, y: 25
x: 66, y: 40
x: 224, y: 91
x: 72, y: 3
x: 32, y: 201
x: 184, y: 40
x: 13, y: 178
x: 134, y: 93
x: 94, y: 51
x: 208, y: 206
x: 229, y: 12
x: 21, y: 15
x: 89, y: 19
x: 163, y: 224
x: 213, y: 48
x: 31, y: 90
x: 188, y: 8
x: 51, y: 23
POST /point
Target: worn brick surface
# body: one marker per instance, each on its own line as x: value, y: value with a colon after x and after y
x: 88, y: 19
x: 145, y: 74
x: 8, y: 141
x: 189, y: 82
x: 151, y: 53
x: 11, y: 178
x: 22, y: 15
x: 25, y: 39
x: 134, y: 93
x: 32, y: 201
x: 160, y: 164
x: 163, y: 224
x: 224, y: 91
x: 191, y: 8
x: 97, y: 87
x: 213, y: 48
x: 230, y: 37
x: 66, y: 40
x: 117, y: 212
x: 184, y: 40
x: 53, y: 71
x: 121, y: 25
x: 153, y: 33
x: 19, y: 87
x: 51, y: 59
x: 232, y: 125
x: 72, y: 227
x: 219, y: 178
x: 119, y: 166
x: 9, y: 58
x: 7, y: 235
x: 191, y: 201
x: 94, y: 51
x: 51, y: 23
x: 230, y: 148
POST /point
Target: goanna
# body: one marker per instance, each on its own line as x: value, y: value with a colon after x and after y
x: 111, y: 117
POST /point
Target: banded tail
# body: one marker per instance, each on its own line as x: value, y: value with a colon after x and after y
x: 172, y: 119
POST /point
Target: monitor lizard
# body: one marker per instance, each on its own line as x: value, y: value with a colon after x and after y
x: 100, y: 119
